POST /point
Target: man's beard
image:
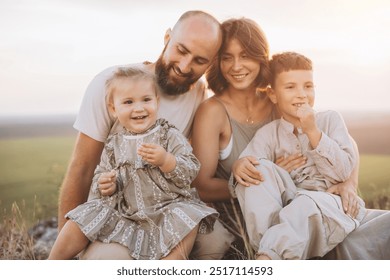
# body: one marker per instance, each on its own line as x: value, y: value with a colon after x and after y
x: 168, y: 86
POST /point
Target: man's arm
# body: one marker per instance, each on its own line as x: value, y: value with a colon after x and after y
x: 78, y: 178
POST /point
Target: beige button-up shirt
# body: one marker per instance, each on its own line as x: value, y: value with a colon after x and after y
x: 331, y: 162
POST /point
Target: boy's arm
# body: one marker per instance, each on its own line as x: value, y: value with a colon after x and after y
x: 334, y: 155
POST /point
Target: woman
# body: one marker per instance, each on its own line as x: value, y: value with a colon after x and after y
x: 228, y: 121
x: 230, y: 118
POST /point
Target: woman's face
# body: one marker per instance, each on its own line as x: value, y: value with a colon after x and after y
x: 239, y: 70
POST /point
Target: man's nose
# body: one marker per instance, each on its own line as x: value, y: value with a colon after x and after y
x: 185, y: 65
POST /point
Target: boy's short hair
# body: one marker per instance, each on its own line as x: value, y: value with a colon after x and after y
x: 287, y: 61
x: 127, y: 73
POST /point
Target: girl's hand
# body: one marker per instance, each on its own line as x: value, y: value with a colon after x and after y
x: 107, y: 183
x: 245, y: 172
x: 153, y: 154
x: 291, y: 162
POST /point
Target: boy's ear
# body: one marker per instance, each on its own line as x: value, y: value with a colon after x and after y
x: 271, y: 95
x: 167, y: 36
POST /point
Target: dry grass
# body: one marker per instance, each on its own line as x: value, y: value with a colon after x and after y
x: 15, y: 243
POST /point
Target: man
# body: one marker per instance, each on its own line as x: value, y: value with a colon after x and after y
x: 190, y: 47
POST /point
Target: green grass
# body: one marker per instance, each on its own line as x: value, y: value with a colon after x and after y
x: 32, y: 169
x: 374, y: 180
x: 31, y: 172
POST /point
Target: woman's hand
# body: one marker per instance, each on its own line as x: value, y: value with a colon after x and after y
x: 291, y: 162
x: 349, y: 197
x: 107, y: 183
x: 245, y: 172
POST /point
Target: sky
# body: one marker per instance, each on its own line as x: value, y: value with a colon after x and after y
x: 51, y: 49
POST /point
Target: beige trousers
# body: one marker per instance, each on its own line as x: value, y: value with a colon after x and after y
x: 285, y: 222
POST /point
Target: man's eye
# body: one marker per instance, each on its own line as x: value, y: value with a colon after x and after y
x: 180, y: 50
x: 200, y: 61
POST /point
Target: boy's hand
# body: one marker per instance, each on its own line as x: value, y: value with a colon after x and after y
x: 153, y: 154
x: 107, y: 183
x: 307, y: 116
x: 245, y: 172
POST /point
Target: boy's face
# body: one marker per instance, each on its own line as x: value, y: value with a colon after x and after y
x: 135, y: 104
x: 291, y: 90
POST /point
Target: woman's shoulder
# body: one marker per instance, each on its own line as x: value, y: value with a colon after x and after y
x: 212, y: 105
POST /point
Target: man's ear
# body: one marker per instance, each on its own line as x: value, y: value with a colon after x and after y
x: 167, y: 36
x: 271, y: 95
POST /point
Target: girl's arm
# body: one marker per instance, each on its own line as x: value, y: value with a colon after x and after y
x: 105, y: 167
x: 209, y: 122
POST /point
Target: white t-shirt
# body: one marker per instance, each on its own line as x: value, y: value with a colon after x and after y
x: 95, y: 121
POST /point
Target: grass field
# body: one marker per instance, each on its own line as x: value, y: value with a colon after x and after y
x: 32, y: 169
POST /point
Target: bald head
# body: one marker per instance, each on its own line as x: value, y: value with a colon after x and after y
x: 190, y: 48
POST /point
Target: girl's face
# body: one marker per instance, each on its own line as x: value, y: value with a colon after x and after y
x: 135, y: 103
x: 291, y: 90
x: 239, y: 70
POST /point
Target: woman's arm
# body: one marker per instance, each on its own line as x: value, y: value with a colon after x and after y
x: 348, y: 189
x: 210, y: 120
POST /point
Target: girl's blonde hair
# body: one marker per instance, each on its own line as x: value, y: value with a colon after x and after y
x: 127, y: 73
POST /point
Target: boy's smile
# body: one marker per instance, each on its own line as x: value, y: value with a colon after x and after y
x: 292, y: 91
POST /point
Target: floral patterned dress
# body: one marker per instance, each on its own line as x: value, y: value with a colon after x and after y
x: 152, y: 211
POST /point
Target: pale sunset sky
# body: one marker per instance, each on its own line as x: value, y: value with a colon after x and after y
x: 51, y: 49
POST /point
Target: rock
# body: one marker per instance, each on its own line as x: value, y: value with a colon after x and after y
x: 44, y: 233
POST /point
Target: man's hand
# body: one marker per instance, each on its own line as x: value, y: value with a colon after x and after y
x: 245, y: 172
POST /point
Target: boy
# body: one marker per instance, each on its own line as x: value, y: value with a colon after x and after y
x: 290, y: 216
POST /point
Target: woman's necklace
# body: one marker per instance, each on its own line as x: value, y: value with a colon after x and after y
x: 249, y: 119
